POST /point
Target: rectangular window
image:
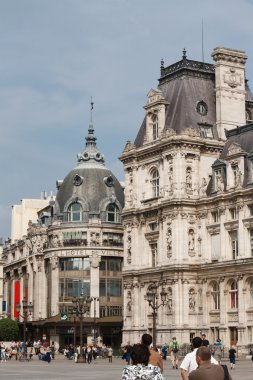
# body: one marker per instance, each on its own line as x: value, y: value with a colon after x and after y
x: 206, y: 131
x: 154, y: 254
x: 215, y: 217
x: 234, y: 243
x: 114, y: 287
x: 102, y: 291
x: 114, y: 265
x: 233, y: 213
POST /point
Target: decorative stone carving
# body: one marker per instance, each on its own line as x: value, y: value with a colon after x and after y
x: 188, y: 179
x: 192, y: 300
x: 234, y: 149
x: 191, y: 240
x: 129, y: 248
x: 129, y: 146
x: 94, y: 238
x: 94, y: 259
x: 170, y: 300
x: 169, y: 242
x: 232, y: 78
x: 55, y: 241
x: 191, y: 132
x: 203, y: 187
x: 129, y: 302
x: 219, y: 182
x: 54, y: 262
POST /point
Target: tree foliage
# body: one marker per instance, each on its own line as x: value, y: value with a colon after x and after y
x: 8, y: 330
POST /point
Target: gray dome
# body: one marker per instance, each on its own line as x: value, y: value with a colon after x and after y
x: 90, y: 184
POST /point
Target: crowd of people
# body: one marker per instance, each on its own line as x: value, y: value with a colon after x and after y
x: 202, y: 363
x: 88, y: 353
x: 20, y: 350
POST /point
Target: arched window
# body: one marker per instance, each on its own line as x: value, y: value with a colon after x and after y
x: 75, y: 212
x: 155, y: 126
x: 216, y: 296
x: 155, y: 183
x: 251, y: 293
x: 233, y: 295
x: 112, y: 213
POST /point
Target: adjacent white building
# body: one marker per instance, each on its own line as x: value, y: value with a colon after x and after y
x: 188, y: 216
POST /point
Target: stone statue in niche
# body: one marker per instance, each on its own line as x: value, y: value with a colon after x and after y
x: 129, y: 301
x: 192, y: 300
x: 129, y: 248
x: 169, y: 242
x: 203, y: 187
x: 219, y: 182
x: 170, y: 300
x: 170, y: 184
x: 55, y: 241
x: 188, y: 179
x: 191, y: 240
x: 238, y: 177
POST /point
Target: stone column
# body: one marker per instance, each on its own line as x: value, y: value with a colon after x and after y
x: 54, y: 261
x: 95, y: 259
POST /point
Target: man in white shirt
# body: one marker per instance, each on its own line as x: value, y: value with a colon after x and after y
x: 189, y: 363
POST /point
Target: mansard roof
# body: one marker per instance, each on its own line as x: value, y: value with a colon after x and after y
x: 183, y: 85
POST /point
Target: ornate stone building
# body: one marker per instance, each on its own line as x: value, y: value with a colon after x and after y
x: 188, y: 216
x: 75, y: 248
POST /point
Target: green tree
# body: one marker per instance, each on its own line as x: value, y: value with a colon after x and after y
x: 8, y: 330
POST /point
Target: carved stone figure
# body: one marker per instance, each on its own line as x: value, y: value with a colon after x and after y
x: 203, y: 187
x: 129, y: 301
x: 95, y: 260
x: 169, y: 242
x: 191, y: 240
x: 54, y: 262
x: 188, y: 179
x: 238, y: 177
x: 129, y: 248
x: 170, y: 300
x: 219, y: 182
x: 192, y: 300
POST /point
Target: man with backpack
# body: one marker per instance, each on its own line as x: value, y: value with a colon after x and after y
x: 174, y: 351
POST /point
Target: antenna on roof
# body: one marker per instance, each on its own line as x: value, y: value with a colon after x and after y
x: 202, y: 37
x: 91, y: 108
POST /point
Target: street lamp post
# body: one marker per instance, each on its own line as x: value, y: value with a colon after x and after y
x: 81, y: 308
x: 152, y: 298
x: 27, y: 309
x: 95, y: 299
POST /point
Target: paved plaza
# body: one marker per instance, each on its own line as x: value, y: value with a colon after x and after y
x: 62, y: 368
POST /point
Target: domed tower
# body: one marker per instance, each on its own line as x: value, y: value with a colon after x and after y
x: 85, y: 249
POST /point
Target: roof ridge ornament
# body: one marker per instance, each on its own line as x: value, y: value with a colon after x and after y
x: 91, y: 152
x: 184, y: 54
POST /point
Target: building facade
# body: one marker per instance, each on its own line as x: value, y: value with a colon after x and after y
x: 188, y: 216
x: 74, y: 249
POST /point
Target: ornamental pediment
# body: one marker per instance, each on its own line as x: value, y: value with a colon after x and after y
x: 235, y: 149
x: 154, y: 97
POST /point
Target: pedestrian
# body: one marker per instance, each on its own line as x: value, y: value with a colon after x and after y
x: 164, y: 351
x: 189, y: 362
x: 174, y: 352
x: 154, y: 358
x: 232, y: 353
x: 217, y: 350
x: 110, y: 352
x: 3, y: 352
x: 128, y: 349
x: 52, y: 347
x: 205, y: 342
x: 141, y: 368
x: 206, y: 370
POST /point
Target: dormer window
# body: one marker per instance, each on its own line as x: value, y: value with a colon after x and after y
x: 74, y: 212
x: 112, y: 213
x: 155, y: 126
x: 206, y: 131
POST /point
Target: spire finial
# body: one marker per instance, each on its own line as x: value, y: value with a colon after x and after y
x: 91, y: 108
x: 184, y: 54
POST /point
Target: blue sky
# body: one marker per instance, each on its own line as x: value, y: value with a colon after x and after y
x: 56, y: 54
